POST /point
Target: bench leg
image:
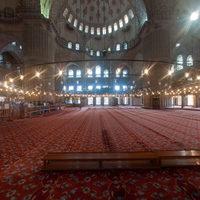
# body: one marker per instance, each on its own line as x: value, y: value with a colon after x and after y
x: 156, y: 162
x: 100, y: 164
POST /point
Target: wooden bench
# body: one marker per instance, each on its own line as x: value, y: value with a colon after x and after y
x: 179, y: 158
x: 98, y: 161
x: 68, y: 161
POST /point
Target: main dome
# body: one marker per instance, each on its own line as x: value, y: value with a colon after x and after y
x: 100, y: 15
x: 115, y: 24
x: 98, y: 12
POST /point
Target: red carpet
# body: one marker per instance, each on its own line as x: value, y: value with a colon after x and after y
x: 24, y: 143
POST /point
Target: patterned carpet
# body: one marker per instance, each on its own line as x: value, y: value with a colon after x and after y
x: 25, y: 142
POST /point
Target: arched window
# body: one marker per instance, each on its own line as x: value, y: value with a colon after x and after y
x: 65, y: 12
x: 1, y: 58
x: 190, y: 61
x: 92, y: 31
x: 14, y: 43
x: 71, y: 88
x: 89, y: 73
x: 117, y: 87
x: 69, y: 45
x: 125, y: 73
x: 70, y: 73
x: 98, y: 53
x: 118, y: 72
x: 121, y: 24
x: 118, y: 47
x: 98, y: 31
x: 91, y: 52
x: 90, y: 101
x: 104, y: 31
x: 106, y: 101
x: 70, y: 18
x: 81, y: 27
x: 77, y: 46
x: 86, y: 29
x: 179, y: 62
x: 125, y: 45
x: 79, y: 88
x: 106, y: 73
x: 98, y: 71
x: 75, y: 23
x: 64, y: 88
x: 109, y: 29
x: 172, y: 69
x: 90, y: 87
x: 78, y: 73
x: 115, y: 27
x: 98, y: 87
x: 125, y: 87
x: 130, y: 13
x: 126, y: 19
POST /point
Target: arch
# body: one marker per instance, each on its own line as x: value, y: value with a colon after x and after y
x: 72, y: 64
x: 179, y: 62
x: 125, y: 72
x: 70, y: 73
x: 106, y: 73
x: 130, y: 13
x: 118, y: 47
x: 5, y: 40
x: 14, y: 57
x: 78, y: 73
x: 126, y: 19
x: 77, y: 46
x: 69, y: 45
x: 98, y: 71
x: 118, y: 72
x: 89, y: 73
x: 190, y: 61
x: 125, y: 45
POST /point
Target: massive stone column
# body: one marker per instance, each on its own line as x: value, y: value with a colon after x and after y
x: 39, y: 48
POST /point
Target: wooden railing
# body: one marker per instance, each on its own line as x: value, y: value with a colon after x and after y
x: 99, y: 161
x: 5, y: 114
x: 10, y: 114
x: 40, y: 110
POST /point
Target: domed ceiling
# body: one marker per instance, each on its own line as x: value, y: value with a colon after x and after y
x: 112, y: 22
x: 98, y: 12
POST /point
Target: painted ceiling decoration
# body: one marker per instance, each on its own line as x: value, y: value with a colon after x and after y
x: 45, y: 6
x: 98, y: 12
x: 108, y: 26
x: 102, y: 17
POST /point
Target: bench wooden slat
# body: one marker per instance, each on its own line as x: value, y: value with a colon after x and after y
x: 173, y: 154
x: 62, y: 161
x: 99, y: 156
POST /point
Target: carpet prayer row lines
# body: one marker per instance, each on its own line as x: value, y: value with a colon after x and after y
x: 25, y: 142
